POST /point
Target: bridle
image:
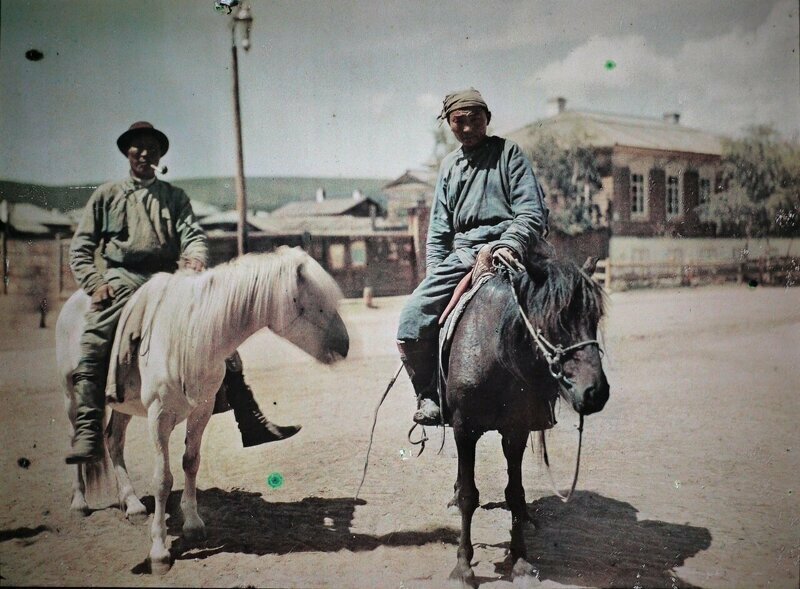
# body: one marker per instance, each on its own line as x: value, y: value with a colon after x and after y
x: 553, y: 355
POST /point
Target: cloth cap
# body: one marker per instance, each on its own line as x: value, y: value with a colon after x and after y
x: 462, y: 99
x: 138, y: 129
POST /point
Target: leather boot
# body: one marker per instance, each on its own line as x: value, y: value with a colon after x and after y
x: 255, y: 427
x: 87, y: 442
x: 421, y: 360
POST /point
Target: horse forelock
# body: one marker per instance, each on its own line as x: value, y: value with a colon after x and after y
x: 551, y: 286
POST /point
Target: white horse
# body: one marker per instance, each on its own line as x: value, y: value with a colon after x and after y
x: 189, y: 324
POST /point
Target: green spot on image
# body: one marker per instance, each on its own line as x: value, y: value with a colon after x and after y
x: 275, y: 480
x: 610, y: 64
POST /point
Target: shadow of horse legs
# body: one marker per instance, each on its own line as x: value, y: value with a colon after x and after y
x: 243, y: 522
x: 597, y: 541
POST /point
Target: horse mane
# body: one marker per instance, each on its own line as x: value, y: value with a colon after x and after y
x: 238, y: 297
x: 558, y: 294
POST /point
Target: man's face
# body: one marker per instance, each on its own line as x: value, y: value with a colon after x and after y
x: 143, y: 153
x: 469, y: 125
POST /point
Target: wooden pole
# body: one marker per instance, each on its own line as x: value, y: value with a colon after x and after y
x: 241, y: 194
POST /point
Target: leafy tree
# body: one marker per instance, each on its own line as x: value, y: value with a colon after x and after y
x: 570, y: 174
x: 761, y: 173
x: 443, y: 143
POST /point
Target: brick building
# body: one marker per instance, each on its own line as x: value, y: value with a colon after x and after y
x: 655, y: 172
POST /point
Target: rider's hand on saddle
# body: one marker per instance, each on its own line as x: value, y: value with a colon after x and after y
x: 195, y: 265
x: 102, y: 296
x: 483, y: 262
x: 505, y: 255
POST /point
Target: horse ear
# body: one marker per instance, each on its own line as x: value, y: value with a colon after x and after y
x: 590, y: 265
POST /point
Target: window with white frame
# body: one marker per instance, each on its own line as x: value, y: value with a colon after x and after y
x: 638, y: 197
x: 673, y: 196
x: 704, y: 190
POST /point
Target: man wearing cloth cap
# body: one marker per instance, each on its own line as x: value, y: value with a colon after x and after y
x: 142, y: 225
x: 487, y: 205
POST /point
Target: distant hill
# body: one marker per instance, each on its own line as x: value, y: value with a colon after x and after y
x: 265, y: 193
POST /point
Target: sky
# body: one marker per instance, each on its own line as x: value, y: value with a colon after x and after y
x: 352, y: 88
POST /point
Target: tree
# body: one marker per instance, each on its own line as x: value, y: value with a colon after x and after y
x: 443, y: 143
x: 761, y: 176
x: 570, y: 174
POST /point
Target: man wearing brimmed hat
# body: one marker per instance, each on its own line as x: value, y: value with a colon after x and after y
x: 142, y: 225
x: 487, y: 205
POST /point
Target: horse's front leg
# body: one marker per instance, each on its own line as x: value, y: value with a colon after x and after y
x: 79, y: 505
x: 161, y: 425
x: 193, y: 526
x: 135, y: 511
x: 467, y: 497
x: 514, y: 449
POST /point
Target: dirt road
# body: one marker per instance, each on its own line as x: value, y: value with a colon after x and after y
x: 689, y: 477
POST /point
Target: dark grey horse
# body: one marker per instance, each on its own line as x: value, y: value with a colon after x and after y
x: 505, y: 374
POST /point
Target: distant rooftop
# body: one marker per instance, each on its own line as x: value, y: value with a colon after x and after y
x: 28, y: 218
x: 610, y: 130
x: 323, y: 208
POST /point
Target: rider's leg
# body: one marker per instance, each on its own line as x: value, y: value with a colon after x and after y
x: 418, y: 334
x: 253, y: 424
x: 89, y: 377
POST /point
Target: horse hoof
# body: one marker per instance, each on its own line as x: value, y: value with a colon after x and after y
x: 522, y: 568
x: 137, y: 518
x: 466, y: 578
x: 160, y: 566
x: 194, y: 534
x: 80, y: 511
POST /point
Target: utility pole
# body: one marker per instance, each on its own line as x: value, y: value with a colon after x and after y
x: 243, y: 16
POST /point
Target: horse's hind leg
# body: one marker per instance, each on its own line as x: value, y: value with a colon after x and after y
x: 161, y: 425
x: 514, y: 449
x: 193, y: 526
x: 135, y: 511
x: 467, y: 498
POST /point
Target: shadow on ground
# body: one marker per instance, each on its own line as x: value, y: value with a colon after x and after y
x: 599, y: 542
x: 243, y: 522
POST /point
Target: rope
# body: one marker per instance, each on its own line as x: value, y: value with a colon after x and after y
x: 374, y: 422
x: 564, y: 499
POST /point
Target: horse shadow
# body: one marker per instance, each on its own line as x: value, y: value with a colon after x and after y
x: 599, y: 542
x: 244, y: 522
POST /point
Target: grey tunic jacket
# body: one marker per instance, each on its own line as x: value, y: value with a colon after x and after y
x: 485, y: 195
x: 144, y: 228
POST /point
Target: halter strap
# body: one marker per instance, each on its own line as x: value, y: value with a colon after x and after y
x: 552, y: 354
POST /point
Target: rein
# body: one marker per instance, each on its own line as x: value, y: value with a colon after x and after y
x: 553, y: 354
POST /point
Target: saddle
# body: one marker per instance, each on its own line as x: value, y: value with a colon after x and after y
x: 132, y: 342
x: 122, y: 361
x: 465, y: 291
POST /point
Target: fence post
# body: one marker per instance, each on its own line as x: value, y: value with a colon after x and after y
x: 608, y: 274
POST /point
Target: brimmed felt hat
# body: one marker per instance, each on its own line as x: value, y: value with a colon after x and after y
x: 138, y: 129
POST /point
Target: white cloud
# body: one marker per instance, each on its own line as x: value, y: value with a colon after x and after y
x: 722, y: 83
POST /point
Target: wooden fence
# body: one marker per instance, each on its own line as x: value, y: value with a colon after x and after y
x: 774, y: 271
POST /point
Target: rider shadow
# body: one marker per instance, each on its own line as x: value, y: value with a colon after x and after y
x: 599, y: 542
x: 244, y: 522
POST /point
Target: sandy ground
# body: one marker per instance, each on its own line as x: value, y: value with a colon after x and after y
x: 690, y: 474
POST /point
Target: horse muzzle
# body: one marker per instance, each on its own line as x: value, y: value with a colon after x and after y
x: 337, y: 341
x: 589, y: 399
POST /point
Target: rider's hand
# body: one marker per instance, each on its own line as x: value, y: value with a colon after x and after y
x: 195, y: 265
x: 102, y: 296
x: 505, y: 255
